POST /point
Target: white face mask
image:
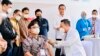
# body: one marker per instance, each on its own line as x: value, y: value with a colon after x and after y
x: 26, y: 16
x: 18, y: 18
x: 36, y: 31
x: 61, y: 30
x: 9, y: 10
x: 94, y: 16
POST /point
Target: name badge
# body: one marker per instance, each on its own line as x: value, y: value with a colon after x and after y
x: 42, y: 52
x: 44, y: 25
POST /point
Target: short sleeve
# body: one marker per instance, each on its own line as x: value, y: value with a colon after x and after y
x: 26, y: 46
x: 44, y: 37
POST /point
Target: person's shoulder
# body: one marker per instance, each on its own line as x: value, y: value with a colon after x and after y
x: 88, y: 20
x: 22, y: 19
x: 34, y: 20
x: 44, y: 19
x: 27, y: 39
x: 79, y: 20
x: 98, y: 19
x: 43, y: 37
x: 73, y: 29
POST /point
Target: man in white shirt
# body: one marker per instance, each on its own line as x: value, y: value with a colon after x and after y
x: 62, y: 15
x: 70, y: 44
x: 95, y: 22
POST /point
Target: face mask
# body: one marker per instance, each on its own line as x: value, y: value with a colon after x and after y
x: 61, y: 30
x: 94, y: 16
x: 9, y: 10
x: 26, y: 16
x: 38, y: 17
x: 84, y: 17
x: 36, y: 31
x: 18, y: 18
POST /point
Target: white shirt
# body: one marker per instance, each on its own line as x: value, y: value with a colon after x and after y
x: 72, y: 44
x: 97, y: 25
x: 58, y: 19
x: 57, y: 22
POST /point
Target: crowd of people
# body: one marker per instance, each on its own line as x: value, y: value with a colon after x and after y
x: 21, y: 35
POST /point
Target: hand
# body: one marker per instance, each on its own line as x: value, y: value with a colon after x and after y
x: 28, y: 54
x: 3, y: 44
x: 84, y: 29
x: 52, y: 42
x: 56, y: 27
x: 17, y: 41
x: 89, y: 28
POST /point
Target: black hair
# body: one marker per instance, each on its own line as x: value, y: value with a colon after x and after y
x: 15, y: 11
x: 25, y: 8
x: 94, y: 10
x: 61, y: 5
x: 66, y: 21
x: 33, y: 22
x: 38, y: 10
x: 7, y: 2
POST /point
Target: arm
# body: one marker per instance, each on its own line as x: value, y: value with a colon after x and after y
x: 72, y: 39
x: 26, y: 48
x: 49, y: 48
x: 51, y: 42
x: 47, y: 25
x: 78, y: 27
x: 6, y: 31
x: 3, y: 44
x: 28, y: 54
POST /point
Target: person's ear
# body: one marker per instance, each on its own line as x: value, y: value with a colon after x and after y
x: 29, y: 30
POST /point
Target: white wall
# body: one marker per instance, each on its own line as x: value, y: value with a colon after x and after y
x: 50, y: 8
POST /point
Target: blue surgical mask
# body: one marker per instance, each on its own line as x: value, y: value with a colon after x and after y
x: 84, y: 17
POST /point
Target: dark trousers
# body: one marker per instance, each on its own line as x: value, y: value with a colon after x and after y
x: 58, y: 50
x: 17, y: 50
x: 13, y: 50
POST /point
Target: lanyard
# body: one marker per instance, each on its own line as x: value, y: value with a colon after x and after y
x: 93, y: 27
